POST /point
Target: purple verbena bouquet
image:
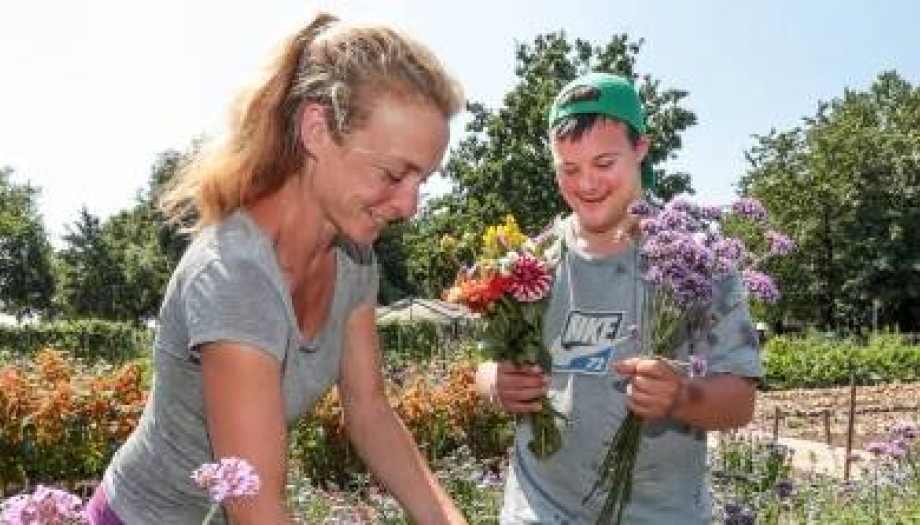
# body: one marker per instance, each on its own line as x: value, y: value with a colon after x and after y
x: 684, y: 254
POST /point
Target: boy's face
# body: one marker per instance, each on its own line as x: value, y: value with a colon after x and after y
x: 598, y: 175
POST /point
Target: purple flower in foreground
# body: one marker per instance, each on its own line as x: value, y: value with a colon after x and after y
x: 784, y: 488
x: 905, y: 430
x: 649, y: 226
x: 778, y: 243
x: 698, y: 365
x: 681, y: 204
x: 640, y: 208
x: 898, y: 448
x: 45, y: 506
x: 877, y: 448
x: 230, y: 478
x: 760, y: 285
x: 711, y: 213
x: 729, y: 248
x: 736, y: 515
x: 750, y: 209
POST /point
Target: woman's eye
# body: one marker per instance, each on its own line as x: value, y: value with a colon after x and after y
x: 391, y: 176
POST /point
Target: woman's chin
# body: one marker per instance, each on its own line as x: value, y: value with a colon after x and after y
x: 364, y: 235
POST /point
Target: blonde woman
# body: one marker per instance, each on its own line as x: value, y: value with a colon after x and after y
x: 273, y: 303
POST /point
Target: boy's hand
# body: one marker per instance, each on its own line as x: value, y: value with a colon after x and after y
x: 518, y: 390
x: 655, y: 388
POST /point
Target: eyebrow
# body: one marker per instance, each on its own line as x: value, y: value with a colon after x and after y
x: 592, y: 159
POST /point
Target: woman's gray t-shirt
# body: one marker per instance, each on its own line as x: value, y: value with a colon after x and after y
x: 227, y: 287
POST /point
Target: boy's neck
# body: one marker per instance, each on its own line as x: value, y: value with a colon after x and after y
x: 603, y: 244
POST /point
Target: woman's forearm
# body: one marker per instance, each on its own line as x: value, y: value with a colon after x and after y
x: 392, y: 455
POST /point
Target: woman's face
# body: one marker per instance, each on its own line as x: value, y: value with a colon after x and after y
x: 373, y: 177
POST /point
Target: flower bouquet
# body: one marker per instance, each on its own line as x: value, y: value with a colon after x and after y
x: 684, y: 254
x: 508, y: 284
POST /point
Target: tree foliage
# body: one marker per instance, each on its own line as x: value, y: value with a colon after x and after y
x: 846, y: 183
x: 503, y: 163
x: 26, y: 275
x: 118, y: 269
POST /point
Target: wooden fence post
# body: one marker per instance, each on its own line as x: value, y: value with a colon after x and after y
x: 851, y: 422
x: 776, y: 416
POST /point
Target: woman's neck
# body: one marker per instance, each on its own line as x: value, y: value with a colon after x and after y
x: 301, y: 236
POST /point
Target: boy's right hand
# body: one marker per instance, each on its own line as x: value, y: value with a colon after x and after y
x: 518, y: 390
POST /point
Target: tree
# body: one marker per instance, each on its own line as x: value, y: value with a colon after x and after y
x: 392, y: 257
x: 118, y: 269
x: 26, y: 275
x: 144, y: 245
x: 847, y: 185
x: 503, y: 164
x: 91, y: 283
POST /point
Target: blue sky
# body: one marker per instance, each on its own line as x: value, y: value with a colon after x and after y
x: 91, y: 91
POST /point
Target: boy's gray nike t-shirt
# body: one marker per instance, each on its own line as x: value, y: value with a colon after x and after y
x: 592, y: 307
x: 227, y: 287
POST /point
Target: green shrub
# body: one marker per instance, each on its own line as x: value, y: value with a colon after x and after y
x: 90, y: 339
x: 815, y: 362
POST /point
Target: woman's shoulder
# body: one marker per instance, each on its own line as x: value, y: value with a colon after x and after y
x: 234, y: 242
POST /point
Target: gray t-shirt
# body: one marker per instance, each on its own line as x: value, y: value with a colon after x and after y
x: 585, y: 328
x: 228, y: 287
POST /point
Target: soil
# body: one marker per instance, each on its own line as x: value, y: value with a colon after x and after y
x: 823, y: 414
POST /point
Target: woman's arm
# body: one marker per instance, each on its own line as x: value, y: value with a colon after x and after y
x: 245, y: 417
x: 377, y: 432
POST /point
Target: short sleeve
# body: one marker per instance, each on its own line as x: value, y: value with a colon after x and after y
x: 733, y: 344
x: 235, y: 301
x: 362, y: 274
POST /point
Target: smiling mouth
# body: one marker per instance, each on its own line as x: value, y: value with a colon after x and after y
x: 592, y: 200
x: 379, y: 220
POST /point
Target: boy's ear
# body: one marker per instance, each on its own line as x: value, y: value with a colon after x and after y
x: 642, y: 146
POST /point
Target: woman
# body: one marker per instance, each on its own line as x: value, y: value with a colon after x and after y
x: 273, y: 302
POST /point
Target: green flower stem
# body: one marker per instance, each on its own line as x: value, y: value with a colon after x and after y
x: 211, y: 512
x: 616, y: 470
x: 547, y: 439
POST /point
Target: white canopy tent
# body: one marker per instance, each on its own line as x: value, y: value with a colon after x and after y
x: 415, y: 309
x: 450, y: 318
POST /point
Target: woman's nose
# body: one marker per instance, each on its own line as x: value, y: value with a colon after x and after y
x: 406, y: 200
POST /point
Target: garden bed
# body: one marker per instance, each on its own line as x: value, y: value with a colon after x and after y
x: 802, y: 412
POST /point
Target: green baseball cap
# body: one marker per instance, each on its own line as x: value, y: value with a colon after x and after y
x: 617, y: 99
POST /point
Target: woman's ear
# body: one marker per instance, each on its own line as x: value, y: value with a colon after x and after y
x: 314, y: 132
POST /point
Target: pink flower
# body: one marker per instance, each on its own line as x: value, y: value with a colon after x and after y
x: 45, y: 506
x: 529, y: 280
x: 230, y: 478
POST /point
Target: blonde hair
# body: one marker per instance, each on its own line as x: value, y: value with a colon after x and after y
x: 345, y: 68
